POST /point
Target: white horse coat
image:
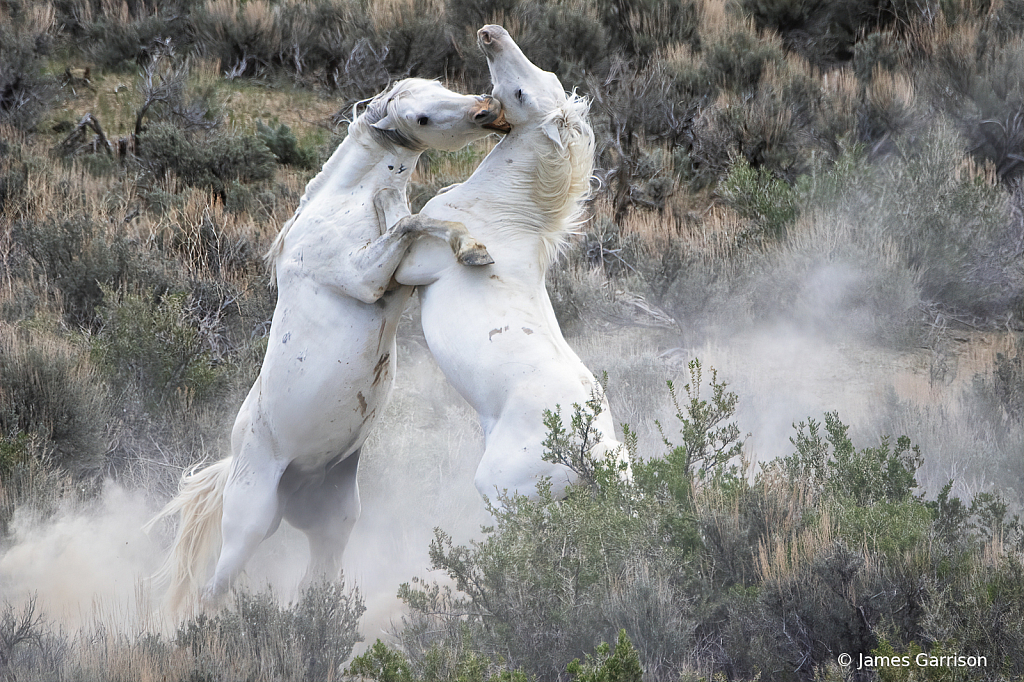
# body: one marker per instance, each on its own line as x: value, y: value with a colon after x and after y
x: 492, y: 330
x: 330, y: 358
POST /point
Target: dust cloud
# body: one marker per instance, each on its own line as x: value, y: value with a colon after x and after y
x: 805, y: 334
x: 416, y: 472
x: 85, y: 563
x: 90, y: 562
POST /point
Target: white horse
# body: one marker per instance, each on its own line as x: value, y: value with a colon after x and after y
x: 492, y: 330
x: 330, y: 358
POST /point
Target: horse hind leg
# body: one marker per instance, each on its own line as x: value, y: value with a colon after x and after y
x: 251, y: 514
x: 326, y: 513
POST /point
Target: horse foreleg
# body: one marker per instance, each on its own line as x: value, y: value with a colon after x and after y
x: 251, y: 514
x: 394, y: 216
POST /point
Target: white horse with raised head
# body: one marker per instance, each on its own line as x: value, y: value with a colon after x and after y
x: 492, y: 330
x: 330, y: 358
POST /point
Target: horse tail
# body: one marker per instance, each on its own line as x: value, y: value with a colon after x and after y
x: 200, y: 502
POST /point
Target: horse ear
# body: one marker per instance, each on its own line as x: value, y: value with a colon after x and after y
x: 551, y: 130
x: 389, y: 122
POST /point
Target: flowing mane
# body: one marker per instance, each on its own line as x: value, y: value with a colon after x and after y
x: 559, y: 184
x: 562, y: 183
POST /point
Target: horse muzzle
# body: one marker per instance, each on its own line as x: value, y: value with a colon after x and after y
x: 490, y: 38
x: 490, y: 114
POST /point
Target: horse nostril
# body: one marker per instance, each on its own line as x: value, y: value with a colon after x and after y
x: 485, y: 36
x: 484, y: 115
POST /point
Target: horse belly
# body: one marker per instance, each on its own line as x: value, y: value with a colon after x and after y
x: 326, y: 378
x: 491, y: 347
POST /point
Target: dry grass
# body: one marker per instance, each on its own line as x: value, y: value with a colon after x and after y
x: 388, y: 13
x: 115, y: 99
x: 891, y: 91
x: 715, y: 20
x: 782, y: 558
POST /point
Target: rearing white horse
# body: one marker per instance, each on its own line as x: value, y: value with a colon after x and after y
x: 492, y: 330
x: 330, y: 359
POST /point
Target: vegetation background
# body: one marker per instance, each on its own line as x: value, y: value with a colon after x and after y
x: 822, y: 199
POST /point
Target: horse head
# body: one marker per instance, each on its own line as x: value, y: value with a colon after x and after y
x: 546, y: 120
x: 420, y: 114
x: 531, y: 96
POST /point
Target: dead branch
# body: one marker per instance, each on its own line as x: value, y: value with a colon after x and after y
x: 78, y: 139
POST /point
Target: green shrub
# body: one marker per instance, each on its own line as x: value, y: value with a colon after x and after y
x: 621, y: 665
x: 78, y: 259
x: 815, y: 611
x: 1007, y: 19
x: 737, y: 61
x: 823, y: 32
x: 417, y: 41
x: 759, y: 196
x: 13, y: 174
x: 158, y: 346
x: 639, y: 28
x: 258, y: 638
x: 325, y: 43
x: 821, y: 552
x: 776, y: 121
x: 959, y: 238
x: 888, y: 109
x: 123, y: 46
x: 879, y: 51
x: 958, y: 241
x: 283, y: 144
x: 475, y: 13
x: 210, y: 162
x: 976, y: 612
x: 987, y: 108
x: 637, y: 109
x: 610, y: 556
x: 380, y: 663
x: 238, y: 157
x: 25, y: 89
x: 1009, y: 380
x: 829, y: 466
x: 52, y: 404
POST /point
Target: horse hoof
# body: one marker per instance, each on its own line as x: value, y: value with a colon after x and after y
x: 475, y: 256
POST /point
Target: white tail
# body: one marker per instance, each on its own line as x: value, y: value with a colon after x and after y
x: 200, y: 502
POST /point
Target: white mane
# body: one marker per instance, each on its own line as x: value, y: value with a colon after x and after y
x: 563, y: 177
x: 559, y: 184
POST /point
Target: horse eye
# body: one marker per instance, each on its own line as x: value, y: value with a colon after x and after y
x: 423, y: 120
x: 519, y: 95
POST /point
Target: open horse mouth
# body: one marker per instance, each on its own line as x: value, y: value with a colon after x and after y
x: 499, y: 124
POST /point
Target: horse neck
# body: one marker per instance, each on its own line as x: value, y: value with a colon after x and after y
x: 360, y: 160
x: 516, y: 179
